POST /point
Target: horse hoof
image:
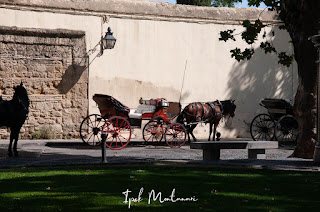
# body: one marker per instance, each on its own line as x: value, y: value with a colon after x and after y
x: 16, y: 154
x: 10, y: 154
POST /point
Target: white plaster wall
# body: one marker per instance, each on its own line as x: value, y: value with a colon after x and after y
x: 149, y: 61
x: 47, y: 20
x: 150, y: 57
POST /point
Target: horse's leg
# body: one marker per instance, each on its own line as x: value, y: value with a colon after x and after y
x: 10, y: 144
x: 210, y: 130
x: 214, y: 132
x: 14, y: 134
x: 16, y: 137
x: 191, y: 131
x: 188, y: 132
x: 188, y: 137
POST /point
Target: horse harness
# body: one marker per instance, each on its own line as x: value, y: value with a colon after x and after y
x: 214, y: 110
x: 24, y: 107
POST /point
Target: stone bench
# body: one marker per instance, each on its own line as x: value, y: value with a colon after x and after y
x: 256, y: 149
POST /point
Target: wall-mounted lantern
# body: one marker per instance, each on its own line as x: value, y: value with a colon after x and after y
x: 108, y: 41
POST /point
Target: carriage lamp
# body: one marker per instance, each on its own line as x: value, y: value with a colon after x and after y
x: 108, y: 41
x: 316, y: 157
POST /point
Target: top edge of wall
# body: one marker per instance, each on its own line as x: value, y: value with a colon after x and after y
x: 148, y: 8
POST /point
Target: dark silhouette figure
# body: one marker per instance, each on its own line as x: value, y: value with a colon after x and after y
x: 210, y: 112
x: 13, y: 114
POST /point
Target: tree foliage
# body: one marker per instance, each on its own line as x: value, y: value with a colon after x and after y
x: 251, y: 30
x: 250, y: 36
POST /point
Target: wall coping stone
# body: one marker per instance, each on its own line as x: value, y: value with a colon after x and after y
x: 145, y: 8
x: 61, y: 33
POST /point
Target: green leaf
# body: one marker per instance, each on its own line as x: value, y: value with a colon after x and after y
x: 255, y: 3
x: 226, y: 35
x: 238, y: 55
x: 252, y: 30
x: 247, y: 53
x: 246, y: 23
x: 285, y: 59
x: 267, y: 47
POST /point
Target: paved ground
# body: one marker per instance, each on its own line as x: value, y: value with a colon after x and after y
x: 70, y: 152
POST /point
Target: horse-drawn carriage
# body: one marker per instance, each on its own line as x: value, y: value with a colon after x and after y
x: 117, y: 120
x: 279, y: 124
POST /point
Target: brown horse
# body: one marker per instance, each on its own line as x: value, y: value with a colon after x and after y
x: 210, y: 112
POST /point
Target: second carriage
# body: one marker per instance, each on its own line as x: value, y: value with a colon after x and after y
x: 278, y: 124
x: 117, y: 121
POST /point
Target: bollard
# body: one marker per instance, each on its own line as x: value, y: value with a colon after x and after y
x: 103, y: 148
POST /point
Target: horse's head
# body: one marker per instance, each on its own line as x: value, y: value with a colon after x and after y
x: 20, y: 93
x: 229, y: 108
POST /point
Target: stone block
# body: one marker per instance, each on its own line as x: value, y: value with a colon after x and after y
x: 211, y: 154
x: 56, y: 114
x: 41, y: 120
x: 66, y: 103
x: 22, y: 68
x: 256, y: 153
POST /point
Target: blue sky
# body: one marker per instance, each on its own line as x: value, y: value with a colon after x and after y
x: 243, y: 4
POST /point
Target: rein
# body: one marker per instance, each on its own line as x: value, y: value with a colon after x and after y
x: 24, y: 107
x: 221, y: 107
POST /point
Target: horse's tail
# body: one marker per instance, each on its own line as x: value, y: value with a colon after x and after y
x: 181, y: 116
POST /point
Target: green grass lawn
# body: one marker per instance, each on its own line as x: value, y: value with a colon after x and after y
x: 99, y: 188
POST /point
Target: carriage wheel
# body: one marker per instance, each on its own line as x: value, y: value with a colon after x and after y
x: 262, y: 128
x: 153, y: 131
x: 175, y: 135
x: 118, y: 132
x: 287, y: 130
x: 90, y: 129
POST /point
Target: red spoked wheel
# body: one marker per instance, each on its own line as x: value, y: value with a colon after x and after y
x: 154, y: 130
x: 175, y: 135
x: 118, y: 132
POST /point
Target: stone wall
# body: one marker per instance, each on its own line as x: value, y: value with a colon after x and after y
x: 52, y: 66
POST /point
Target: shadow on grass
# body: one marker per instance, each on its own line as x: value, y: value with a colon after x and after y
x: 100, y: 188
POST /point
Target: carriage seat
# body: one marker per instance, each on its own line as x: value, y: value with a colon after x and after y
x: 137, y: 113
x: 160, y: 102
